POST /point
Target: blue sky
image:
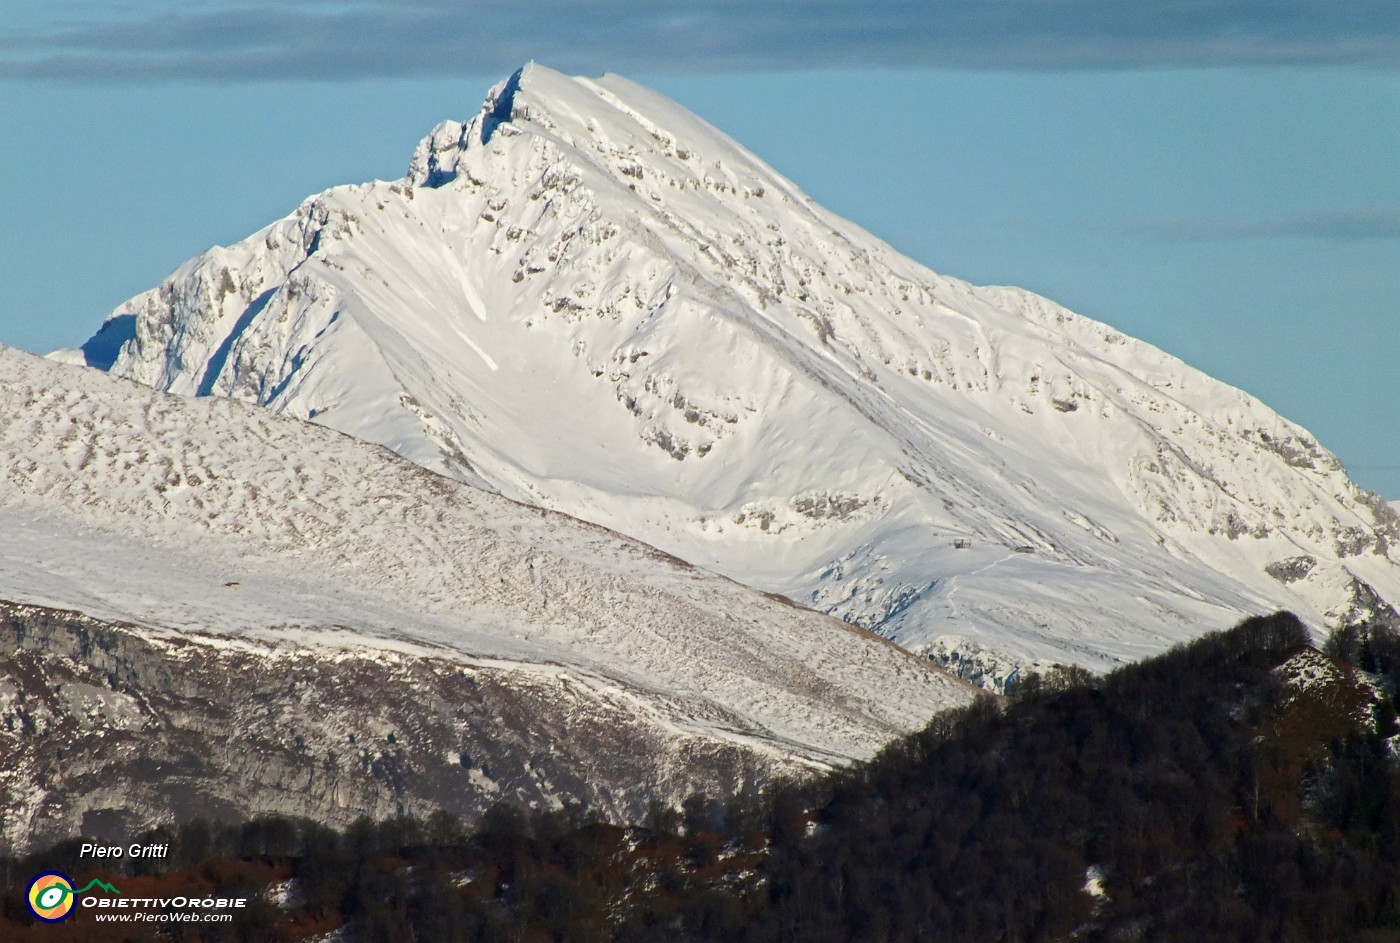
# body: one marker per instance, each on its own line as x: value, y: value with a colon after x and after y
x: 1218, y: 178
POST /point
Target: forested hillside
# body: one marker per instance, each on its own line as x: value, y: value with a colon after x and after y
x: 1241, y: 788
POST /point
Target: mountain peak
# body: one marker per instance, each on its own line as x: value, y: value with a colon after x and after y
x: 435, y: 159
x: 499, y: 106
x: 588, y: 299
x: 618, y: 130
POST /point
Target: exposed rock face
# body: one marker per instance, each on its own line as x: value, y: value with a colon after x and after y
x: 105, y: 732
x: 1368, y: 608
x: 1292, y: 569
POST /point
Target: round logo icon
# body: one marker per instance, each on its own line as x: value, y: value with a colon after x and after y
x: 51, y: 896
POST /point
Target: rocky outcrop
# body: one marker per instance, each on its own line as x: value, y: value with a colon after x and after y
x: 106, y: 729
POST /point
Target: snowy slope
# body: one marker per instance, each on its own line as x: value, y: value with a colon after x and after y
x: 217, y: 518
x: 587, y: 299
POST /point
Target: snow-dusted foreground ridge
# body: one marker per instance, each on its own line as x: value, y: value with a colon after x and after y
x: 589, y: 300
x: 219, y: 519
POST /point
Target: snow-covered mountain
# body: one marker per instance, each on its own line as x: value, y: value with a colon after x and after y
x: 221, y: 542
x: 587, y: 299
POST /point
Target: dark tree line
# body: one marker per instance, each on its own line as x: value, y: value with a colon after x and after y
x: 1210, y: 807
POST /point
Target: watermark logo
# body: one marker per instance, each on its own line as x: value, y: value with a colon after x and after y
x: 51, y: 895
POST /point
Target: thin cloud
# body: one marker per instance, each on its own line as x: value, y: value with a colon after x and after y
x: 1335, y: 224
x: 204, y: 40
